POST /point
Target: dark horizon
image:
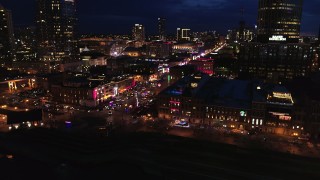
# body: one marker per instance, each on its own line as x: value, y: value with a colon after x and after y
x: 104, y: 17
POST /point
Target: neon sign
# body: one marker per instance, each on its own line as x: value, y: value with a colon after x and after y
x: 277, y: 38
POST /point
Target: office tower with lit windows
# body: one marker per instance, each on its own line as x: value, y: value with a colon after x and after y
x: 26, y: 44
x: 276, y: 61
x: 162, y: 28
x: 279, y: 20
x: 26, y: 60
x: 6, y: 38
x: 56, y: 24
x: 277, y: 55
x: 138, y: 32
x: 183, y: 34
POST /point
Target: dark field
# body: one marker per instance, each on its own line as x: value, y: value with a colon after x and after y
x: 50, y: 154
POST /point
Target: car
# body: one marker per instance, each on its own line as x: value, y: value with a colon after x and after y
x: 110, y: 112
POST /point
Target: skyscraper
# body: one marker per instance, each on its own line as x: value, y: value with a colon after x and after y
x: 279, y: 20
x: 319, y: 34
x: 25, y: 44
x: 6, y: 38
x: 242, y: 26
x: 277, y: 56
x: 26, y: 58
x: 56, y: 23
x: 138, y: 32
x: 183, y: 34
x: 162, y: 28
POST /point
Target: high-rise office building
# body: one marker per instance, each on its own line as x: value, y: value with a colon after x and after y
x: 56, y: 23
x: 26, y: 60
x: 318, y: 42
x: 183, y: 34
x: 6, y: 38
x: 276, y: 61
x: 138, y: 32
x: 277, y: 55
x: 158, y: 49
x: 26, y: 44
x: 162, y: 28
x: 279, y: 20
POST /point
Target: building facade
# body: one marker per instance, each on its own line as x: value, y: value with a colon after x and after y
x: 56, y: 30
x: 159, y: 49
x: 138, y: 32
x: 204, y: 65
x: 6, y: 38
x: 162, y: 29
x: 178, y: 72
x: 97, y: 44
x: 84, y: 93
x: 234, y: 104
x: 183, y: 34
x: 276, y: 61
x: 279, y: 20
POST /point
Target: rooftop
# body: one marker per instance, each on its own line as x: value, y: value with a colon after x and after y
x: 131, y: 49
x: 224, y: 92
x: 93, y: 54
x: 187, y: 86
x: 214, y: 91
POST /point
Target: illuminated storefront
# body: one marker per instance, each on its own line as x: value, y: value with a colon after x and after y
x: 234, y: 104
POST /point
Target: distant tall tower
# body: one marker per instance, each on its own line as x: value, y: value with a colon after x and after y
x: 26, y: 44
x: 138, y: 32
x: 6, y: 38
x: 242, y: 26
x: 183, y: 34
x: 56, y: 24
x: 279, y: 20
x: 319, y: 36
x: 162, y: 28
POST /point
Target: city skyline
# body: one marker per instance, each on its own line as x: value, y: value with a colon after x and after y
x: 171, y: 89
x: 107, y: 17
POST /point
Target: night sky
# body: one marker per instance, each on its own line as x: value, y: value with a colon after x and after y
x: 118, y: 16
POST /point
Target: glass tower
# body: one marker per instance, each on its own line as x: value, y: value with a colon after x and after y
x: 279, y: 20
x: 138, y: 32
x: 6, y: 38
x: 162, y: 28
x: 56, y: 23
